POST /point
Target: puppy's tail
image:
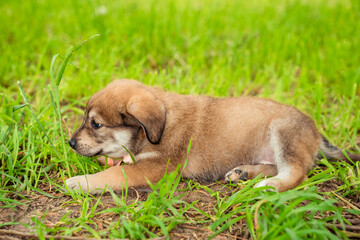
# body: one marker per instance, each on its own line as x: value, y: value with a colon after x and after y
x: 332, y: 153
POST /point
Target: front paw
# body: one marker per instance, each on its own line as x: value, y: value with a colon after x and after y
x: 78, y: 182
x: 85, y: 183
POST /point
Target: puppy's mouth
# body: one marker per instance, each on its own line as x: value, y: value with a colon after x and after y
x: 98, y: 153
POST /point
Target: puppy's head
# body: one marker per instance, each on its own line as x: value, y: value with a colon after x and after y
x: 121, y: 115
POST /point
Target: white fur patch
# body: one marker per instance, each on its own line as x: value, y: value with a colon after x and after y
x: 92, y: 114
x: 127, y: 158
x: 263, y: 183
x: 272, y: 182
x: 147, y: 155
x: 115, y: 149
x: 284, y: 170
x: 122, y: 137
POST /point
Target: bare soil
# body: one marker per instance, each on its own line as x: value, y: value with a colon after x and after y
x: 53, y: 209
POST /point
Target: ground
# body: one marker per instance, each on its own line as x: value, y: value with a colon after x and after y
x: 52, y: 210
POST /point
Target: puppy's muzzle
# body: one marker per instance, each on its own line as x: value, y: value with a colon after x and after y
x: 72, y: 143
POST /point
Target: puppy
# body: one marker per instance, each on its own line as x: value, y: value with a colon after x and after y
x: 235, y: 138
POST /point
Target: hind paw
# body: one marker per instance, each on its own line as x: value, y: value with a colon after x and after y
x: 235, y: 175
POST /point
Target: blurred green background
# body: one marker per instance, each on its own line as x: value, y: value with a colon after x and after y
x: 305, y: 53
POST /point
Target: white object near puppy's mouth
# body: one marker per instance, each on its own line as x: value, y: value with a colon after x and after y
x: 127, y: 159
x: 103, y: 160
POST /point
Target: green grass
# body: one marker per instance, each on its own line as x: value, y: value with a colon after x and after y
x: 303, y: 53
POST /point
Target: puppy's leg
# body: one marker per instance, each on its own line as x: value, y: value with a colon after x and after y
x: 295, y: 142
x: 136, y: 176
x: 245, y: 172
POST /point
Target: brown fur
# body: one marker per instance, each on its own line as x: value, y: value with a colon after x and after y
x: 237, y: 137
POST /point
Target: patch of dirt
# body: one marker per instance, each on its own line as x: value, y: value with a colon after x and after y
x: 52, y: 211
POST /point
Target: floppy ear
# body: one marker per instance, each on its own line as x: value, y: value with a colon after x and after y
x: 150, y: 113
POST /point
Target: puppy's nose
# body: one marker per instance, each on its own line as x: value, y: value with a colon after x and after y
x: 72, y: 143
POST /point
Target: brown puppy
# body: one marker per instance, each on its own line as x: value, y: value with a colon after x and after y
x: 235, y: 138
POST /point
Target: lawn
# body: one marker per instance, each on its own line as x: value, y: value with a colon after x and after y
x: 55, y: 54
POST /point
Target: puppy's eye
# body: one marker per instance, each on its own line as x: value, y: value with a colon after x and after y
x: 95, y: 125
